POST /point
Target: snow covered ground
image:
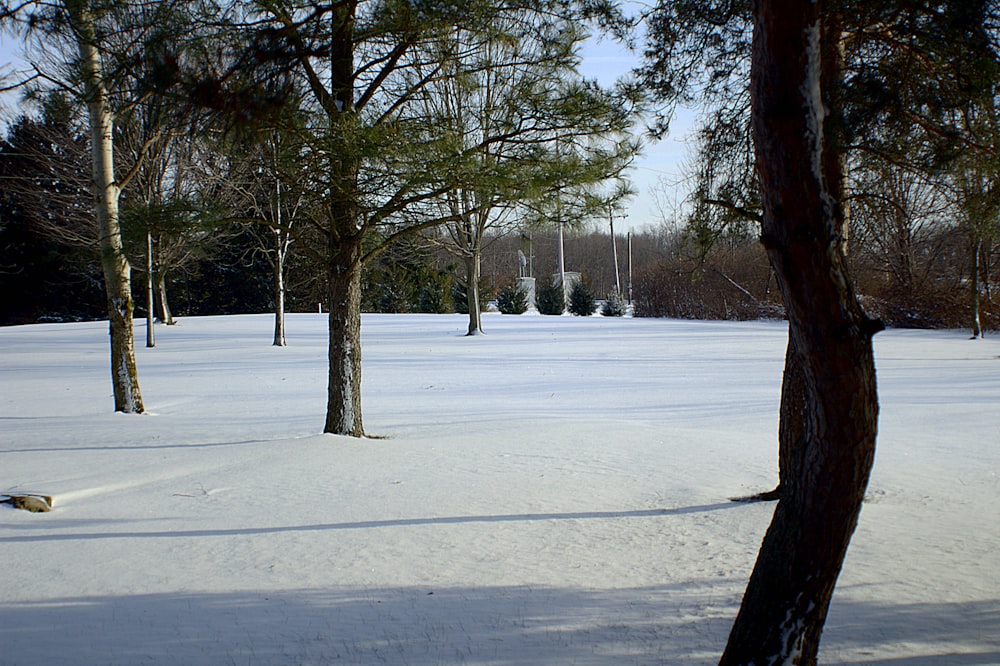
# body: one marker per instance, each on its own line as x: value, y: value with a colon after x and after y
x: 554, y: 492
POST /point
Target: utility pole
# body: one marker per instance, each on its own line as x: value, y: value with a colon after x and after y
x: 614, y: 250
x: 630, y: 267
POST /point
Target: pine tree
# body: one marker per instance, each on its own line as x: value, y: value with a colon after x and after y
x: 550, y: 299
x: 512, y: 300
x: 614, y: 306
x: 581, y: 300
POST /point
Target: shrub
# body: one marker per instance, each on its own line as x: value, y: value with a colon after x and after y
x: 404, y: 279
x: 614, y: 306
x: 581, y: 300
x: 461, y: 300
x: 432, y: 298
x: 512, y: 300
x: 550, y: 299
x: 730, y: 283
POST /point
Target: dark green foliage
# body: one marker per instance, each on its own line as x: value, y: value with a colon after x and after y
x: 228, y: 281
x: 44, y: 281
x: 432, y: 298
x: 614, y: 306
x: 550, y: 299
x: 512, y: 300
x: 460, y: 298
x: 697, y: 49
x: 49, y: 267
x: 404, y: 278
x: 581, y: 300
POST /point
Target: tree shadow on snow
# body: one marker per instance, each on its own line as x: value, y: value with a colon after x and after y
x: 684, y: 623
x: 360, y: 525
x: 912, y: 634
x: 506, y: 625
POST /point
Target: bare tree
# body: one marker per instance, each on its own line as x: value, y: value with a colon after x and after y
x: 262, y: 186
x: 898, y: 217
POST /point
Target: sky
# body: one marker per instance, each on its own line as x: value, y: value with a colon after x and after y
x: 660, y: 167
x: 657, y: 171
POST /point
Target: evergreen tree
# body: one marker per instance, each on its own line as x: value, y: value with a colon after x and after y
x: 827, y: 436
x: 529, y: 126
x: 581, y: 300
x: 512, y: 300
x: 378, y: 158
x: 613, y: 306
x: 460, y: 295
x: 550, y: 299
x: 50, y: 268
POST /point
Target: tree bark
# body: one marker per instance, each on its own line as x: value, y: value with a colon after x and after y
x: 346, y: 234
x: 150, y: 301
x: 161, y: 288
x: 280, y: 251
x: 828, y: 439
x: 117, y: 272
x: 343, y: 410
x: 472, y: 273
x: 279, y: 298
x: 974, y: 300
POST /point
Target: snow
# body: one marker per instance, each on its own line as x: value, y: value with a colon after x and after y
x: 554, y: 492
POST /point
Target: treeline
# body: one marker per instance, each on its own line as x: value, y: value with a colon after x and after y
x: 225, y: 208
x: 925, y: 283
x: 912, y: 268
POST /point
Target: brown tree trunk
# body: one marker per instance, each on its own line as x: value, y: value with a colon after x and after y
x: 472, y: 274
x: 828, y: 439
x: 343, y: 410
x: 161, y: 288
x: 160, y: 274
x: 974, y: 300
x: 346, y: 234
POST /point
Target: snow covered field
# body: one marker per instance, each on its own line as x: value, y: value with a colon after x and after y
x: 554, y: 492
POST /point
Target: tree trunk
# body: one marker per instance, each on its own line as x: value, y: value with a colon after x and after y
x: 472, y: 273
x: 346, y: 234
x: 828, y: 439
x: 117, y: 272
x: 343, y: 410
x: 150, y: 301
x: 791, y: 425
x: 280, y: 249
x: 974, y: 299
x: 160, y: 273
x: 279, y: 297
x: 161, y: 288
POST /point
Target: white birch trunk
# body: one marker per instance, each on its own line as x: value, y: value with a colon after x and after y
x: 117, y: 272
x: 279, y: 295
x: 150, y: 301
x: 281, y: 244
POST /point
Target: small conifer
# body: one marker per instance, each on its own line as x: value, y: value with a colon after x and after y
x: 581, y: 300
x: 550, y: 300
x: 614, y: 306
x: 512, y: 300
